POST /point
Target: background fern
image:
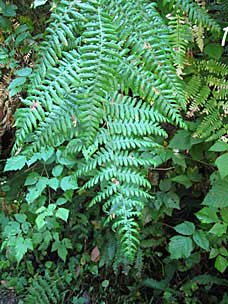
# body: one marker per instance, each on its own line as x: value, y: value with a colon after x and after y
x: 207, y: 92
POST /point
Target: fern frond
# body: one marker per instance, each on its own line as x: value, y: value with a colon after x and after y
x: 208, y: 97
x: 197, y: 14
x: 104, y: 84
x: 180, y: 37
x: 44, y: 290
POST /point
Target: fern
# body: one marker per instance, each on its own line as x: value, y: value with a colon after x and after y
x: 207, y: 93
x: 44, y: 290
x: 104, y: 83
x: 180, y: 37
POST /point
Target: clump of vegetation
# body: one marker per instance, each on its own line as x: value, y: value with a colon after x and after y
x: 116, y: 186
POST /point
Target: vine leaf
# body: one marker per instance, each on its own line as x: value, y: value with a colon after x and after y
x: 186, y: 228
x: 180, y: 247
x: 222, y: 164
x: 15, y: 163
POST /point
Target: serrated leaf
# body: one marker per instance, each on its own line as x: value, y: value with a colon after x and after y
x: 53, y: 183
x: 183, y: 180
x: 165, y: 185
x: 180, y: 247
x: 68, y: 183
x: 21, y: 218
x: 181, y: 140
x: 218, y: 229
x: 40, y: 221
x: 61, y: 201
x: 223, y: 251
x: 5, y: 24
x: 186, y: 228
x: 32, y: 179
x: 61, y: 249
x: 224, y: 214
x: 32, y: 195
x: 57, y: 170
x: 207, y: 215
x: 218, y: 195
x: 62, y: 252
x: 200, y: 239
x: 222, y: 164
x: 15, y: 163
x: 221, y: 263
x: 21, y: 247
x: 62, y: 213
x: 171, y: 200
x: 219, y: 146
x: 213, y: 253
x: 9, y: 10
x: 214, y: 50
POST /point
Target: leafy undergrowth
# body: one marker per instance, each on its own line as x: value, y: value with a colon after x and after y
x: 168, y: 196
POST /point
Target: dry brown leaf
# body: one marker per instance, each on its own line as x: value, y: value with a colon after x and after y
x: 95, y: 255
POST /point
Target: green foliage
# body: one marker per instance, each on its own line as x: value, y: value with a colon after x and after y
x: 103, y: 62
x: 112, y: 184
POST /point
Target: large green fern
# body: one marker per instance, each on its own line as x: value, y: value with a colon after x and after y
x: 104, y: 82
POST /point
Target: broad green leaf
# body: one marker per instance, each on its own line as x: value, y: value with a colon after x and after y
x: 53, y: 183
x: 46, y: 153
x: 183, y: 180
x: 32, y: 179
x: 61, y: 201
x: 200, y: 239
x: 5, y: 24
x: 180, y: 247
x: 15, y: 163
x: 67, y: 243
x: 223, y: 251
x: 42, y: 184
x: 62, y: 252
x: 207, y: 215
x: 222, y: 164
x: 214, y: 50
x: 21, y: 247
x: 224, y: 214
x: 186, y: 228
x: 218, y: 229
x: 181, y: 140
x: 57, y: 170
x: 40, y: 221
x: 213, y: 253
x: 21, y: 218
x: 171, y: 200
x: 9, y: 10
x: 219, y: 146
x: 61, y: 249
x: 37, y: 3
x: 62, y: 213
x: 68, y: 183
x: 32, y: 195
x: 221, y: 263
x: 165, y: 185
x: 12, y: 228
x: 218, y: 195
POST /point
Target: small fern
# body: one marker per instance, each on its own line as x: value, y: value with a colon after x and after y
x: 207, y: 93
x: 44, y: 290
